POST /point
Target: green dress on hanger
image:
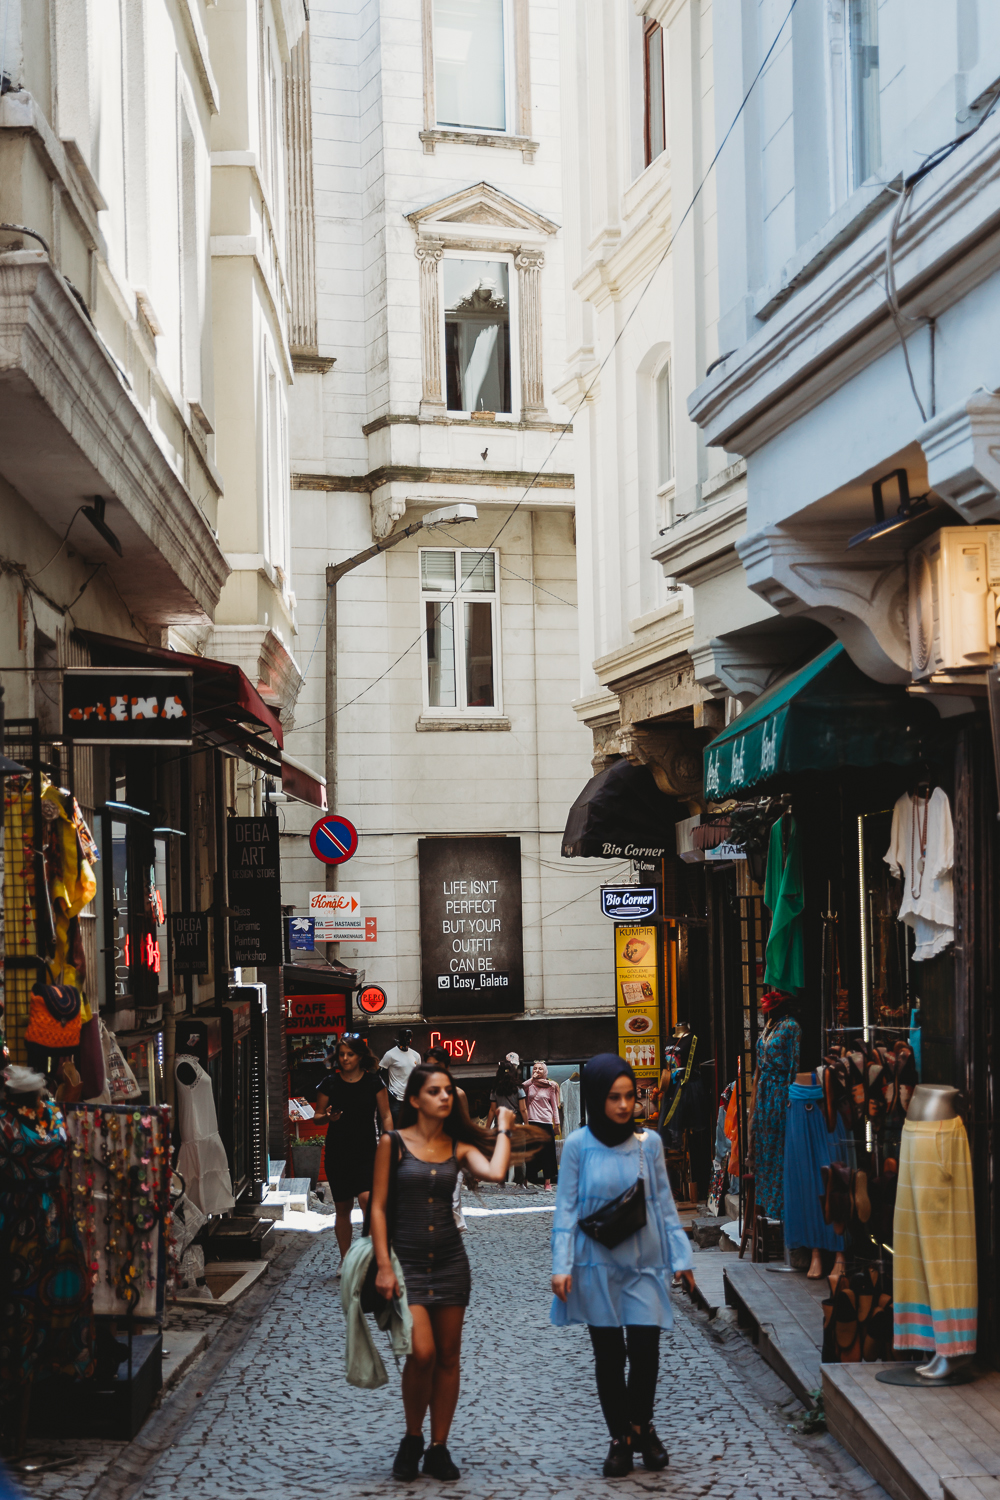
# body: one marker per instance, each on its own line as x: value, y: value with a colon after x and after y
x: 784, y: 897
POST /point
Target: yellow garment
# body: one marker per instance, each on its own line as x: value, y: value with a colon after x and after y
x: 935, y: 1288
x: 72, y: 886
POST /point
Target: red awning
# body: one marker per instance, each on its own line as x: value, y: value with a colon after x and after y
x: 299, y: 782
x: 226, y: 703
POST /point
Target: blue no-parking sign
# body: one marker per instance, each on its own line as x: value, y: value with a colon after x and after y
x: 333, y: 839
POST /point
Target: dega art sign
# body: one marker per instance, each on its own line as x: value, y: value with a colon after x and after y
x: 628, y: 903
x: 120, y: 706
x: 471, y: 947
x: 254, y: 868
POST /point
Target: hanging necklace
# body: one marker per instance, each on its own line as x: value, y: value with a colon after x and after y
x: 918, y: 834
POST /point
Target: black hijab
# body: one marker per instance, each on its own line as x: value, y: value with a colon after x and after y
x: 597, y: 1080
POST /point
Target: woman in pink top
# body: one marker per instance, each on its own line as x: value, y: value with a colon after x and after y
x: 542, y: 1098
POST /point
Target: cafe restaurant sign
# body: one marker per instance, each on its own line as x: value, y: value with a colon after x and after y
x: 123, y: 706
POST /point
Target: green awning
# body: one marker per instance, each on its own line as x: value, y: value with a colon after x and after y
x: 825, y: 716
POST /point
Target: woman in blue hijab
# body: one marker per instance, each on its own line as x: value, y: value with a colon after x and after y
x: 623, y: 1295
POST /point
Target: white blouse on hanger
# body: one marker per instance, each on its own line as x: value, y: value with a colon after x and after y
x: 922, y: 851
x: 202, y: 1160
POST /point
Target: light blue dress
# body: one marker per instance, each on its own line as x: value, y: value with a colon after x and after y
x: 630, y: 1284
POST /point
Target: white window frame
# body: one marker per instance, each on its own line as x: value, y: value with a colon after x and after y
x: 510, y: 100
x: 664, y: 487
x: 513, y: 319
x: 456, y: 599
x: 853, y: 182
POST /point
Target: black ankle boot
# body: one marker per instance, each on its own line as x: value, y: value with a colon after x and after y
x: 406, y: 1465
x: 619, y: 1460
x: 654, y: 1455
x: 438, y: 1464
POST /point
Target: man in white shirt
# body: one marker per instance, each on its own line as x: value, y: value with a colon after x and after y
x: 396, y: 1067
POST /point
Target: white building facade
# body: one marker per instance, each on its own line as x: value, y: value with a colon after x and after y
x: 440, y: 289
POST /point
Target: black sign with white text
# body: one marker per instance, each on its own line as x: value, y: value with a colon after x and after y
x: 189, y: 942
x: 255, y: 932
x: 471, y: 947
x: 125, y: 706
x: 628, y: 903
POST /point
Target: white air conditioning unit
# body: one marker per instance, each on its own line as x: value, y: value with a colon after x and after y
x: 954, y: 594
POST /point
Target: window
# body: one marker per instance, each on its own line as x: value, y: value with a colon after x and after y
x: 477, y: 335
x: 865, y: 104
x: 655, y: 117
x: 460, y: 600
x: 664, y: 430
x: 470, y: 66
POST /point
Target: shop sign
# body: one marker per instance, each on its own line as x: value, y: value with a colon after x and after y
x: 726, y: 852
x: 120, y: 706
x: 189, y: 942
x: 255, y: 932
x: 340, y: 918
x: 333, y: 839
x: 459, y: 1048
x: 638, y: 999
x: 471, y: 944
x: 302, y: 933
x: 373, y: 999
x: 628, y: 903
x: 316, y: 1015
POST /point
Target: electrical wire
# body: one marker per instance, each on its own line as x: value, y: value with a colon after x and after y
x: 597, y: 373
x: 61, y: 545
x: 891, y: 291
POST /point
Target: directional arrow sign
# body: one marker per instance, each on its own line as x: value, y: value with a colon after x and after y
x: 333, y: 839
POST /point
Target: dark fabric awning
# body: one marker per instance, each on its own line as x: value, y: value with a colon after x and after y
x: 825, y: 716
x: 299, y: 782
x: 226, y: 703
x: 318, y: 979
x: 621, y: 814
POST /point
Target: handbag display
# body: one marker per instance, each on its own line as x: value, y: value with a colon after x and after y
x: 54, y: 1017
x: 121, y: 1081
x: 623, y: 1216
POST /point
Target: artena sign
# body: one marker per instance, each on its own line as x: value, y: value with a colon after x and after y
x: 628, y: 903
x: 122, y: 706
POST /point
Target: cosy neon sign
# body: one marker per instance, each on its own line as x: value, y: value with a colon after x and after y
x: 459, y: 1049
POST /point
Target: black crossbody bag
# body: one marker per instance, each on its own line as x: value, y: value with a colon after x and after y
x: 623, y: 1216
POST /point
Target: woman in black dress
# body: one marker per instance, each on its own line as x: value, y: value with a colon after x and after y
x: 436, y: 1139
x: 349, y: 1099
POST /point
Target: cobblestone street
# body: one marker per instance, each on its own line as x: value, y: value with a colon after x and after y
x: 278, y: 1418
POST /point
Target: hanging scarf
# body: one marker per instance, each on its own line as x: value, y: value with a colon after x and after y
x: 598, y: 1079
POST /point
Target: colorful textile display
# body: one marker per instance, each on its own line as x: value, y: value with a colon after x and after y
x: 777, y: 1064
x: 935, y: 1286
x: 119, y: 1180
x: 46, y: 1322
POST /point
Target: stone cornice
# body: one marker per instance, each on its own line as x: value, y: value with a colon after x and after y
x: 480, y: 211
x: 839, y: 322
x: 648, y: 655
x: 702, y: 545
x: 359, y: 484
x: 57, y: 371
x: 613, y: 275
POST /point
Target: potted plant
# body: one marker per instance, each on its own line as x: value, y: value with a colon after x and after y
x: 307, y: 1156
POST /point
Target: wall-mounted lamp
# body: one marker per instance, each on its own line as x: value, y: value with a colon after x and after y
x: 95, y: 515
x: 908, y: 509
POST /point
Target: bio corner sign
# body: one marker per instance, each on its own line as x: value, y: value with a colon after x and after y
x: 638, y: 999
x: 628, y: 903
x: 471, y: 945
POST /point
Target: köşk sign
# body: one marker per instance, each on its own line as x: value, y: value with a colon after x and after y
x: 120, y: 706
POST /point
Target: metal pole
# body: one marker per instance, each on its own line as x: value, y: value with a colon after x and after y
x: 331, y: 720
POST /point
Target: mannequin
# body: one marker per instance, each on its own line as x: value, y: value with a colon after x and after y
x: 934, y: 1236
x: 810, y: 1146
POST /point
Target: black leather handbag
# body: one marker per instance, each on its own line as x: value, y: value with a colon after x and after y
x: 623, y: 1216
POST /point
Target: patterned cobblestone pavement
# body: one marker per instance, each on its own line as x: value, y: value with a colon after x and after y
x: 276, y: 1417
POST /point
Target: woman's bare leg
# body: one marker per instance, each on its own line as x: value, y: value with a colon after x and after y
x: 418, y: 1371
x: 342, y: 1224
x: 447, y: 1325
